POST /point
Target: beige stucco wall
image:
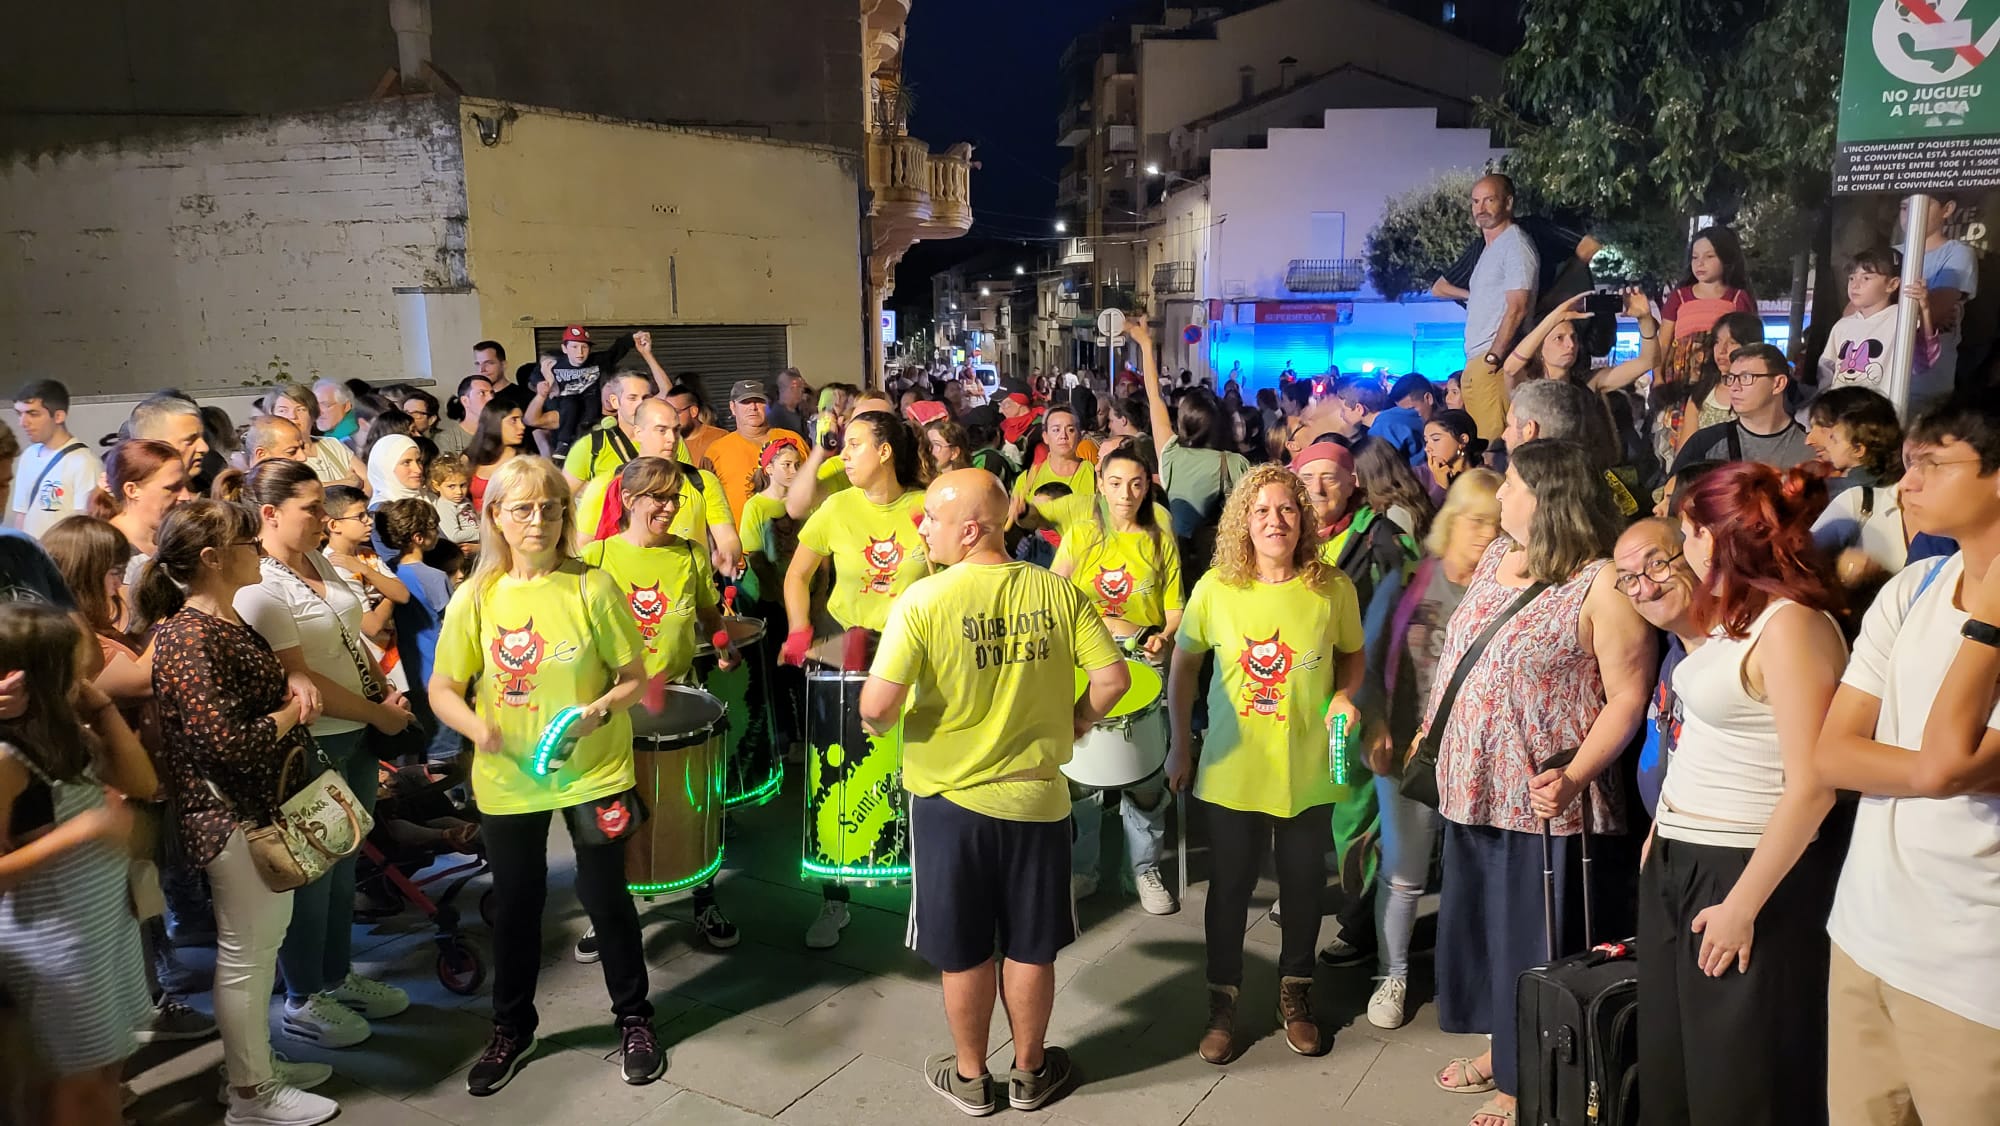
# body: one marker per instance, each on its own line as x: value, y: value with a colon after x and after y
x: 661, y: 225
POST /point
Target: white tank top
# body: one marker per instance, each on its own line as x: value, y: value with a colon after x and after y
x: 1727, y: 773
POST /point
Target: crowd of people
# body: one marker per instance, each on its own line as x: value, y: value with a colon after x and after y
x: 1746, y: 637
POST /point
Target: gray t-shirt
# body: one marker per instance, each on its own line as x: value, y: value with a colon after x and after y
x: 1508, y: 263
x: 1197, y: 482
x: 1784, y: 449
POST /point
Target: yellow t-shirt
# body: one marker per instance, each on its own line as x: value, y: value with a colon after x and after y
x: 603, y: 450
x: 1081, y: 482
x: 663, y: 587
x: 700, y: 505
x: 876, y: 553
x: 990, y: 652
x: 1124, y: 574
x: 1277, y: 649
x: 530, y: 648
x: 757, y: 530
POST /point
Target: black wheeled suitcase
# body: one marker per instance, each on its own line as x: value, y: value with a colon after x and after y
x: 1577, y: 1020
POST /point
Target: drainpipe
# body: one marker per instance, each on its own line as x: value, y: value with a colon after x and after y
x: 412, y: 21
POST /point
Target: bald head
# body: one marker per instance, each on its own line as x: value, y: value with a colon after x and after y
x: 965, y: 511
x: 269, y: 436
x: 871, y: 402
x: 656, y: 428
x: 1492, y: 203
x: 1653, y: 531
x: 1653, y: 572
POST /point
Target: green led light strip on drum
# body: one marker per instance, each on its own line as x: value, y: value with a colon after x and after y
x: 685, y: 883
x: 761, y: 794
x: 846, y: 872
x: 547, y: 761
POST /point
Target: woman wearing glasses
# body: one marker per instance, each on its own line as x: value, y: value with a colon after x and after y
x: 1738, y: 878
x: 536, y: 632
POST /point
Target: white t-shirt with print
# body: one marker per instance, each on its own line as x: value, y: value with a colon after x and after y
x: 1919, y: 898
x: 64, y: 492
x: 1880, y: 536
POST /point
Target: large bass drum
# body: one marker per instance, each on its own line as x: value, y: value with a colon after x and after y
x: 856, y: 817
x: 677, y: 759
x: 1130, y: 742
x: 753, y: 772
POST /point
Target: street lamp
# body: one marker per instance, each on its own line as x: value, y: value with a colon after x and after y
x: 1019, y: 270
x: 1061, y: 227
x: 985, y: 292
x: 1152, y: 170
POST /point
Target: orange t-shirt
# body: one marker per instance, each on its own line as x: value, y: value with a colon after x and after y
x: 735, y: 458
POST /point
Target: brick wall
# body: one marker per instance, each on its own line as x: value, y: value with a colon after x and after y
x: 222, y: 256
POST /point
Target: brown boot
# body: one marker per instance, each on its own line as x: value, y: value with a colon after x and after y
x: 1295, y: 1010
x: 1218, y: 1043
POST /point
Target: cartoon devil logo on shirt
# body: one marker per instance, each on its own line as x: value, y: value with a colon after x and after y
x: 518, y: 654
x: 1267, y: 663
x: 883, y: 559
x: 649, y: 608
x: 1114, y: 587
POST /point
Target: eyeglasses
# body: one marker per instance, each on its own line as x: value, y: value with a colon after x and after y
x: 361, y: 516
x: 528, y: 512
x: 1931, y: 463
x: 1659, y: 571
x: 1745, y: 379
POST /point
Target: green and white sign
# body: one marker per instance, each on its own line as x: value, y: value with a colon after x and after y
x: 1919, y: 97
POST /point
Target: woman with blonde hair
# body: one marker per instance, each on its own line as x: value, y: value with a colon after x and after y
x: 1399, y: 680
x: 1285, y: 626
x: 536, y: 631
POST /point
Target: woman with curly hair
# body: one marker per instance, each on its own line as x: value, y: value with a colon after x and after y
x: 1285, y: 626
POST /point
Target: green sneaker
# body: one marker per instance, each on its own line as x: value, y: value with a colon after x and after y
x: 1028, y: 1090
x: 973, y: 1096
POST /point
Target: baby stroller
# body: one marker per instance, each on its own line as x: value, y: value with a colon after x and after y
x: 416, y: 824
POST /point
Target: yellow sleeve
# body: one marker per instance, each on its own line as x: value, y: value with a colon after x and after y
x: 1063, y: 512
x: 817, y: 535
x: 458, y: 656
x: 1346, y: 615
x: 899, y: 656
x: 613, y: 629
x: 714, y: 502
x: 577, y: 461
x: 1094, y: 647
x: 705, y: 594
x: 754, y: 528
x: 1172, y: 598
x: 590, y: 507
x: 1193, y: 635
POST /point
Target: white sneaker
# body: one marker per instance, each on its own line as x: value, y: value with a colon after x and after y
x: 287, y: 1073
x: 825, y: 931
x: 1082, y: 885
x: 1385, y: 1008
x: 275, y: 1104
x: 1153, y: 893
x: 374, y: 1000
x: 326, y: 1022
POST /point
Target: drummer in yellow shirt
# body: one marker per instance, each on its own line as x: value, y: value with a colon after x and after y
x: 670, y: 591
x: 1119, y: 549
x: 1285, y: 629
x: 869, y: 532
x: 531, y: 633
x: 979, y: 652
x: 1060, y: 434
x: 703, y: 516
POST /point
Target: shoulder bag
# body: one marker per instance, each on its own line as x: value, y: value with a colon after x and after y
x: 317, y: 827
x: 1419, y: 781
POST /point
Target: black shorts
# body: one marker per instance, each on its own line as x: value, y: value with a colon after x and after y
x: 980, y: 883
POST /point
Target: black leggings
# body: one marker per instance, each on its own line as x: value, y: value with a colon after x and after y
x: 1237, y: 842
x: 517, y: 849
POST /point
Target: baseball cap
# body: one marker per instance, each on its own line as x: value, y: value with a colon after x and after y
x: 575, y: 332
x: 746, y: 390
x: 1018, y: 399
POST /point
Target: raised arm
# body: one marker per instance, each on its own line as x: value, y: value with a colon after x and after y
x: 1149, y: 370
x: 1525, y: 352
x: 1627, y: 373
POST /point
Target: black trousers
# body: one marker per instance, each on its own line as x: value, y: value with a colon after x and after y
x: 1748, y: 1049
x: 1237, y: 842
x: 517, y: 849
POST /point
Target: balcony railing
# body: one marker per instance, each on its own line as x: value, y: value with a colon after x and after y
x: 1073, y: 127
x: 1076, y: 251
x: 1122, y: 138
x: 1070, y: 188
x: 1173, y: 277
x: 1324, y: 275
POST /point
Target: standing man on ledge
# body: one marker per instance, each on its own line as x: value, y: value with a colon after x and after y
x: 1497, y: 302
x: 985, y: 645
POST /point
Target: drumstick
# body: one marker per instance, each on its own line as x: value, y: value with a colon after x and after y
x: 1180, y: 817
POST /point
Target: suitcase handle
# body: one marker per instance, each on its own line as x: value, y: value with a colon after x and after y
x: 1556, y: 762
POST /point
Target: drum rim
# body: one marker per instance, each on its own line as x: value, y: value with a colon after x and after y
x: 685, y: 737
x: 837, y: 674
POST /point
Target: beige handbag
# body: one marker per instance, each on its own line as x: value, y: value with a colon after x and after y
x: 316, y: 828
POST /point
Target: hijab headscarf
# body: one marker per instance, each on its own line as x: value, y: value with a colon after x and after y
x: 382, y: 461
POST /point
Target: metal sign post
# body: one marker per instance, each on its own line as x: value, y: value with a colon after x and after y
x: 1110, y: 326
x: 1915, y: 118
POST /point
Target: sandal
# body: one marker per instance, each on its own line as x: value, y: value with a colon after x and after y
x: 1471, y: 1081
x: 1493, y: 1112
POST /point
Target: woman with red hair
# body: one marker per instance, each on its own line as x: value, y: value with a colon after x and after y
x: 1727, y: 1034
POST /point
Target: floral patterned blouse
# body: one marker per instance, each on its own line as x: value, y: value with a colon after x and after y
x: 1534, y: 692
x: 216, y: 684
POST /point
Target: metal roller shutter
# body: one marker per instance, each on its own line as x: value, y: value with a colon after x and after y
x: 719, y: 354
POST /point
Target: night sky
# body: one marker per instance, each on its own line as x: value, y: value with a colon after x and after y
x: 984, y: 71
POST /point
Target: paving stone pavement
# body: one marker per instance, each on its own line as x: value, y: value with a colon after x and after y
x: 771, y: 1031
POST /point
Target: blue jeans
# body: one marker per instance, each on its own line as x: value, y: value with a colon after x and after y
x: 1408, y: 831
x: 319, y: 945
x: 1144, y: 813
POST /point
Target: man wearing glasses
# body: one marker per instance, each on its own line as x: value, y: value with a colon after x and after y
x: 1763, y: 430
x: 1653, y: 573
